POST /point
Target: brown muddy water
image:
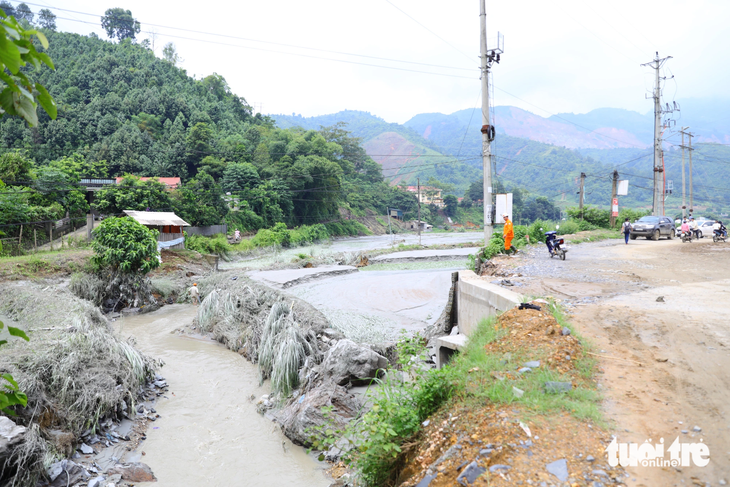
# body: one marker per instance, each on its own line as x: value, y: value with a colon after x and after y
x: 209, y: 432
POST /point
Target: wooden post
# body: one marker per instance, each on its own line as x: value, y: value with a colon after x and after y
x: 35, y: 241
x: 20, y: 238
x: 50, y: 227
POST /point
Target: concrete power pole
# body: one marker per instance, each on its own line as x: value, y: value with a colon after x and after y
x: 658, y: 202
x: 614, y: 199
x: 582, y: 193
x: 487, y: 129
x: 419, y: 211
x: 684, y: 191
x: 691, y: 206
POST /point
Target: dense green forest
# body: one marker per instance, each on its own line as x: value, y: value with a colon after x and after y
x: 123, y: 111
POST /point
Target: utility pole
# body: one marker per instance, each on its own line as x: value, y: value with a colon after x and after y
x: 580, y: 199
x: 684, y: 193
x: 691, y: 206
x: 614, y: 200
x: 419, y: 211
x: 658, y: 203
x: 390, y: 229
x: 487, y: 58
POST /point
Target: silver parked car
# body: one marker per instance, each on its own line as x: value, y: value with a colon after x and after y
x: 653, y: 227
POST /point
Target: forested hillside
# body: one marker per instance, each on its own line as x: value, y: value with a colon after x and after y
x: 123, y: 111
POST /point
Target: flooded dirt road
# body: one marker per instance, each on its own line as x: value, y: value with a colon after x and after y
x: 209, y: 432
x: 658, y: 315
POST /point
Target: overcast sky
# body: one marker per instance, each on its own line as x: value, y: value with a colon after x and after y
x: 561, y: 56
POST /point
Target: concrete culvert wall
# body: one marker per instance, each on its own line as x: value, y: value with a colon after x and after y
x: 74, y: 369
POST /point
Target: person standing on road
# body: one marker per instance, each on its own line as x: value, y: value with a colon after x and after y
x: 194, y: 294
x: 627, y: 230
x: 508, y: 233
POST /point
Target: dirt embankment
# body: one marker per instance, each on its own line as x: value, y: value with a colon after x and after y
x: 657, y: 313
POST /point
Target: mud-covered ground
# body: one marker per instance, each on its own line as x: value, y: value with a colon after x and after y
x: 658, y: 314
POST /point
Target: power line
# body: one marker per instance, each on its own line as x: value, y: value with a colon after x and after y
x: 432, y: 32
x: 227, y: 36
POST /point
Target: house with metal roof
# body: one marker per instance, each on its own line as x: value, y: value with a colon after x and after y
x: 169, y: 225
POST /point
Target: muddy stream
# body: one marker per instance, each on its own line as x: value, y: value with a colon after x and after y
x: 209, y: 432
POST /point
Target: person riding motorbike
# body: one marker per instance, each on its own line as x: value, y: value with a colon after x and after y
x: 719, y: 229
x: 685, y: 227
x: 694, y: 227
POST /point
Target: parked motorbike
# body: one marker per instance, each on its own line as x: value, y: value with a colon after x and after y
x: 555, y: 245
x: 718, y: 236
x: 686, y: 236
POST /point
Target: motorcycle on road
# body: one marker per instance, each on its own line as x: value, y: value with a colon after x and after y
x: 555, y: 245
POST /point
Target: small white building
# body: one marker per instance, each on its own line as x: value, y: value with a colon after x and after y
x: 413, y: 225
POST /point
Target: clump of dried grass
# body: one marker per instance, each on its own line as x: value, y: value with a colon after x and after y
x: 74, y: 366
x: 284, y: 348
x: 268, y: 327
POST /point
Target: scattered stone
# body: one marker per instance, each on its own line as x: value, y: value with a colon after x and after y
x: 684, y: 432
x: 499, y: 468
x: 722, y: 482
x: 485, y: 451
x: 517, y: 392
x: 590, y: 459
x: 134, y: 472
x: 86, y: 449
x: 469, y: 475
x: 550, y: 330
x: 65, y: 473
x: 96, y: 482
x: 426, y: 423
x: 426, y: 481
x: 565, y: 331
x: 552, y: 387
x: 524, y: 370
x: 559, y: 468
x: 533, y: 364
x: 696, y: 429
x: 10, y: 434
x: 350, y: 362
x: 660, y: 299
x: 599, y: 472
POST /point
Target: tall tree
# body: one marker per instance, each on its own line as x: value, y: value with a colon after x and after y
x: 169, y: 52
x: 119, y: 23
x: 8, y: 8
x: 23, y: 12
x: 47, y: 19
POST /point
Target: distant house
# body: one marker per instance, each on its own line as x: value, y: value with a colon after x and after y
x: 171, y: 183
x: 395, y: 213
x: 413, y: 225
x: 429, y: 195
x: 167, y: 223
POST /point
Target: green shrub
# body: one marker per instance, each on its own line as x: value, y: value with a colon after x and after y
x: 216, y: 245
x: 538, y: 228
x: 568, y: 227
x: 124, y: 244
x: 584, y: 225
x: 591, y: 214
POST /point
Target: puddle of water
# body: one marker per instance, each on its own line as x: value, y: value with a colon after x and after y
x: 209, y: 432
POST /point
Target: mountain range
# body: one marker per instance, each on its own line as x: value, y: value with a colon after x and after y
x: 547, y: 155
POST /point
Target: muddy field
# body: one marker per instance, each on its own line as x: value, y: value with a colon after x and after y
x: 658, y: 314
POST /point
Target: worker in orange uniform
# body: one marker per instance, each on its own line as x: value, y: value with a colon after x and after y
x: 508, y: 233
